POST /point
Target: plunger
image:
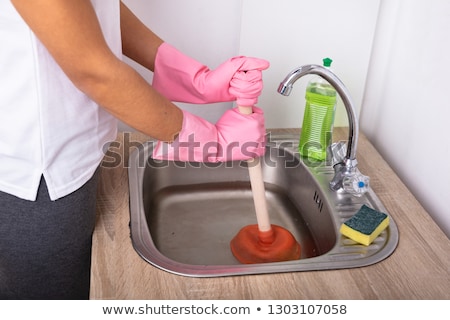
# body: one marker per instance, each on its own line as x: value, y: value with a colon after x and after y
x: 262, y: 242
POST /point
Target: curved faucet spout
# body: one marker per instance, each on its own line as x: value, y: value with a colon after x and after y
x: 285, y: 89
x: 349, y: 163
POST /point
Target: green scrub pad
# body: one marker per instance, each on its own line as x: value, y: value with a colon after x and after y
x: 365, y: 225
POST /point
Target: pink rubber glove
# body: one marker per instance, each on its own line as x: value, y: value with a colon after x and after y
x: 246, y: 86
x: 234, y: 137
x: 183, y: 79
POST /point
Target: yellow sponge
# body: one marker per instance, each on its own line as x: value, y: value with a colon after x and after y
x: 365, y: 225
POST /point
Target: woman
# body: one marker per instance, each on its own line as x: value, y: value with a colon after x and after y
x: 63, y: 85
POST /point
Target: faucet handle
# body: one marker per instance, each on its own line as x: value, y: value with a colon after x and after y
x: 356, y: 184
x: 347, y: 175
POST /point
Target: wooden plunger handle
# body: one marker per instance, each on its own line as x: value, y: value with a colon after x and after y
x: 257, y: 184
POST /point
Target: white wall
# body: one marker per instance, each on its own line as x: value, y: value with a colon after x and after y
x: 288, y: 33
x: 405, y: 110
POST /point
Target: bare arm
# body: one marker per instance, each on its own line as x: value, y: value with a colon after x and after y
x: 138, y: 42
x: 69, y: 27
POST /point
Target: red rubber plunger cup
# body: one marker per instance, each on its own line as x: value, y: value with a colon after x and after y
x: 262, y: 242
x: 251, y: 245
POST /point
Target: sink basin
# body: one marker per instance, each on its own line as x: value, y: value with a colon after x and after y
x: 184, y: 215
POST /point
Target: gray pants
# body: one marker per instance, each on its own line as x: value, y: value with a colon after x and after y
x: 45, y: 246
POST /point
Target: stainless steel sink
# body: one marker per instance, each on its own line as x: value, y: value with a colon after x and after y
x: 184, y: 215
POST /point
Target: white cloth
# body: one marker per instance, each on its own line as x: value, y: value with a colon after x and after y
x: 47, y: 126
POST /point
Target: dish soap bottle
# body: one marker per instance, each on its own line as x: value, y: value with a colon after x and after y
x: 318, y: 119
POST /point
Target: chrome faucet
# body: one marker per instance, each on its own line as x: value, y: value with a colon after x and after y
x: 346, y: 174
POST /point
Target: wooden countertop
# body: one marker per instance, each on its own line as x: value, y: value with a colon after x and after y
x: 418, y: 269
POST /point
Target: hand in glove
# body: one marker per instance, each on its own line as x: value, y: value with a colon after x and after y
x: 246, y: 86
x: 235, y: 136
x: 183, y: 79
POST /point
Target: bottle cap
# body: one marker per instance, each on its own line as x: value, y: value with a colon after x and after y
x: 327, y: 62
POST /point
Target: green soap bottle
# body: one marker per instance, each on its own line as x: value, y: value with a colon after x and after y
x: 318, y: 119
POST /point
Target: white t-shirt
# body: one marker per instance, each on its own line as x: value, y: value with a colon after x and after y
x: 47, y: 126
